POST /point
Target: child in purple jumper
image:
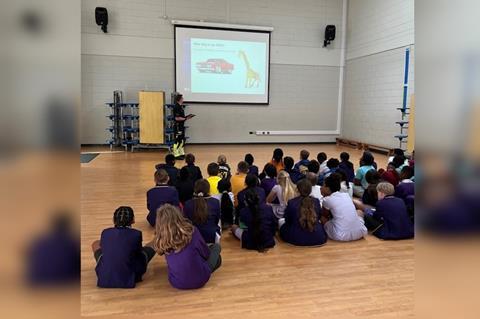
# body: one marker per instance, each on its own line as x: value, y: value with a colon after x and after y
x: 190, y: 261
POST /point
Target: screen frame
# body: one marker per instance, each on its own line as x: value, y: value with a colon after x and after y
x: 222, y: 29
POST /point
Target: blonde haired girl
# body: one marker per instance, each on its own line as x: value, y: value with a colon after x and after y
x: 190, y: 261
x: 284, y: 191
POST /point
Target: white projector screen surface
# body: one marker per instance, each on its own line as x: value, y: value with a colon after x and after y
x: 222, y: 66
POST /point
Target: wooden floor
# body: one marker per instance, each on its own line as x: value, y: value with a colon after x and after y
x: 364, y: 279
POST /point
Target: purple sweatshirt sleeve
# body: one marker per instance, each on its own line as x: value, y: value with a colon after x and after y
x: 176, y: 200
x: 289, y: 213
x: 148, y: 202
x: 200, y: 244
x: 217, y: 211
x: 378, y: 213
x: 273, y: 220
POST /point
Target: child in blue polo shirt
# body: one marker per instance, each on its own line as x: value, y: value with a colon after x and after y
x: 304, y: 154
x: 360, y: 183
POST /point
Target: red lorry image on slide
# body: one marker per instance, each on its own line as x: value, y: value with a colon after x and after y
x: 215, y: 66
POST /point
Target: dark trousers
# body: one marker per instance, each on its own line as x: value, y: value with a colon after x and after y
x: 372, y: 223
x: 148, y: 253
x: 140, y: 269
x: 228, y: 218
x: 214, y: 260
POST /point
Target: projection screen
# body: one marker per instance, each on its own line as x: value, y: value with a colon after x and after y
x: 214, y: 65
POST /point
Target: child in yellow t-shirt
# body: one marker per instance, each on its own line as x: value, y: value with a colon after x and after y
x: 213, y: 178
x: 238, y: 180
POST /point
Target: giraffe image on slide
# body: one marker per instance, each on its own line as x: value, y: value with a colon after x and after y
x: 252, y: 77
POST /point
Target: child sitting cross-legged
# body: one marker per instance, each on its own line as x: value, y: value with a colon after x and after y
x: 226, y: 200
x: 304, y: 154
x: 344, y: 224
x: 213, y: 178
x: 223, y: 168
x: 184, y: 185
x: 270, y: 178
x: 347, y: 166
x: 259, y: 223
x: 121, y: 259
x: 159, y: 195
x: 390, y: 219
x: 282, y: 192
x: 190, y: 261
x: 252, y: 169
x: 194, y: 171
x: 204, y: 212
x: 301, y: 225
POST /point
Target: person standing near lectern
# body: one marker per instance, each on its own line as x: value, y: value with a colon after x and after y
x: 180, y: 118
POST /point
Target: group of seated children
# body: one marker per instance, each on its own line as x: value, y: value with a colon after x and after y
x: 122, y: 261
x: 307, y: 202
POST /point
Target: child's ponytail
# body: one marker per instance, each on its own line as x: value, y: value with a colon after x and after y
x: 308, y: 217
x: 226, y: 205
x: 252, y: 202
x: 200, y: 207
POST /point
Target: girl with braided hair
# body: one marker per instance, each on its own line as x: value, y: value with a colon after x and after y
x: 301, y: 225
x: 226, y: 199
x: 121, y: 259
x: 259, y: 221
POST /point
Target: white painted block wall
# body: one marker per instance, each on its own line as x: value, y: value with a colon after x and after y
x: 136, y: 55
x: 378, y: 33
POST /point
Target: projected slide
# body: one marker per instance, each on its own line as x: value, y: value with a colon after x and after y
x: 222, y: 66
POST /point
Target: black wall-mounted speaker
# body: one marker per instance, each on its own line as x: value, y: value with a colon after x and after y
x: 101, y: 17
x: 329, y: 34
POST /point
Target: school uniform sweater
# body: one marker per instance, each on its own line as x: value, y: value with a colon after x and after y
x: 268, y: 226
x: 122, y: 263
x: 194, y: 172
x: 253, y: 170
x: 404, y: 189
x: 347, y: 167
x: 158, y: 196
x: 370, y: 196
x: 188, y: 268
x: 391, y: 176
x: 172, y: 173
x: 396, y: 222
x: 185, y: 190
x: 54, y: 258
x: 292, y: 232
x: 210, y: 227
x: 295, y: 175
x: 267, y: 184
x: 241, y: 197
x: 304, y: 162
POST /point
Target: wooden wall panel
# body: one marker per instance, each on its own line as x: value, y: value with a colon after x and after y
x: 151, y: 106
